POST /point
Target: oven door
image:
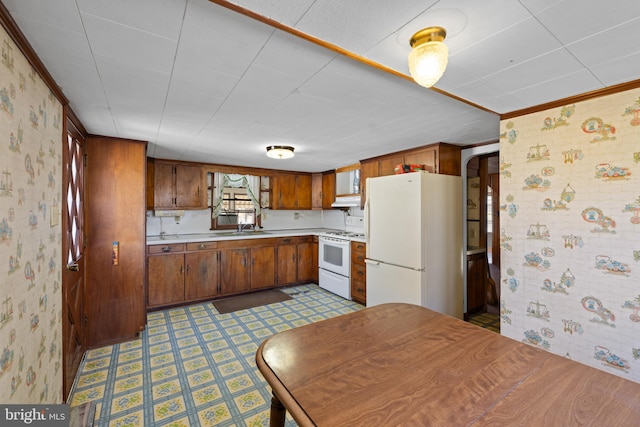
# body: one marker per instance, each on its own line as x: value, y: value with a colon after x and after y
x: 333, y: 255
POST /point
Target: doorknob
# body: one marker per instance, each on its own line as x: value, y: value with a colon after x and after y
x: 73, y: 267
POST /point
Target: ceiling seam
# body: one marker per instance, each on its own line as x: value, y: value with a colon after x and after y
x: 106, y: 97
x: 175, y: 56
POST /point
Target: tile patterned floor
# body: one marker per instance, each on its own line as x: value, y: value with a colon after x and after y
x: 486, y: 320
x: 195, y: 367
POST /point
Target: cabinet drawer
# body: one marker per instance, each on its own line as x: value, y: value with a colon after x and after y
x: 358, y: 247
x: 359, y: 272
x: 305, y: 239
x: 201, y: 246
x: 160, y: 249
x: 359, y: 291
x: 357, y: 257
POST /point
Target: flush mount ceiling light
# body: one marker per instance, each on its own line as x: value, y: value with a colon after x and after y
x: 280, y: 151
x: 429, y: 56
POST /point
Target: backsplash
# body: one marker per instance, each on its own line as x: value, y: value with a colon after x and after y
x: 31, y: 129
x: 199, y: 221
x: 570, y: 231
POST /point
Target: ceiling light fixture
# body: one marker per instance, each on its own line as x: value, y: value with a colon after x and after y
x: 280, y: 151
x: 429, y: 56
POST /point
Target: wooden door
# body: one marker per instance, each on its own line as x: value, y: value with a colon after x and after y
x: 287, y: 265
x: 116, y: 250
x: 73, y: 283
x: 284, y: 192
x: 263, y: 267
x: 368, y: 169
x: 163, y: 186
x: 165, y: 279
x: 201, y: 275
x: 189, y: 187
x: 234, y: 271
x: 305, y: 262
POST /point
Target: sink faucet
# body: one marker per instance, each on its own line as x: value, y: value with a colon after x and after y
x: 242, y: 227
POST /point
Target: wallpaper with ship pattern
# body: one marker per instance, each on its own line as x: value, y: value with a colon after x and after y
x: 570, y: 231
x: 30, y: 233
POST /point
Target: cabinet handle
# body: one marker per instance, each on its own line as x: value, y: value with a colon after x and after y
x: 202, y: 246
x: 166, y: 249
x: 360, y: 273
x: 187, y: 268
x: 181, y: 270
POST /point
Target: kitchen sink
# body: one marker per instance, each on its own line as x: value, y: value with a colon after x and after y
x: 247, y: 233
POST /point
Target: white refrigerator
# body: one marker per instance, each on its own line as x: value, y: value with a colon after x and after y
x: 413, y: 229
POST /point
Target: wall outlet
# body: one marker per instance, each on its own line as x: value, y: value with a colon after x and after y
x: 296, y: 215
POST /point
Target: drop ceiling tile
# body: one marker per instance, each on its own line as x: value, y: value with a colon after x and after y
x: 127, y: 45
x: 545, y: 67
x: 575, y: 20
x: 97, y: 120
x: 614, y: 41
x: 293, y: 56
x: 160, y: 17
x: 506, y: 49
x: 61, y: 13
x: 287, y: 12
x: 219, y: 39
x: 618, y: 71
x: 563, y: 87
x: 54, y: 42
x: 341, y: 26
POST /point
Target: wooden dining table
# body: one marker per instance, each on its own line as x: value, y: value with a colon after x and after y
x: 405, y: 365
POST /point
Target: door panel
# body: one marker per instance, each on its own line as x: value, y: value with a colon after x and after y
x: 73, y: 283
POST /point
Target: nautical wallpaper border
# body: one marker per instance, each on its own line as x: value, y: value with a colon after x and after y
x: 570, y: 231
x: 31, y: 130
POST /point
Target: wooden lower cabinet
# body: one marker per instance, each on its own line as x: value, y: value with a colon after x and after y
x: 305, y: 264
x: 166, y: 279
x: 358, y: 272
x: 263, y: 267
x: 201, y: 275
x: 179, y: 273
x: 234, y: 271
x: 287, y: 262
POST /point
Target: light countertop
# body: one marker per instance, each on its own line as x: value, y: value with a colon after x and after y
x: 231, y: 235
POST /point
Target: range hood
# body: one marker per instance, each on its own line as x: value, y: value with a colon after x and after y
x: 346, y: 202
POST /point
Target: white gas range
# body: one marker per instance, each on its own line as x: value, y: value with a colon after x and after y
x: 334, y: 261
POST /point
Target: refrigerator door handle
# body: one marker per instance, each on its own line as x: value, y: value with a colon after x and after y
x: 366, y: 220
x: 376, y: 262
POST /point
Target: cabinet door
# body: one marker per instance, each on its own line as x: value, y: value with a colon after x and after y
x: 287, y: 266
x: 201, y: 278
x: 427, y: 158
x: 284, y: 192
x: 234, y: 271
x: 303, y: 192
x: 368, y: 169
x: 165, y: 279
x: 189, y: 187
x: 263, y: 267
x: 163, y: 186
x: 387, y: 165
x: 328, y: 189
x: 305, y: 262
x: 316, y: 191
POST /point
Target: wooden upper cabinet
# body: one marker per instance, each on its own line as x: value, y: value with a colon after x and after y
x: 291, y: 191
x: 387, y: 165
x: 328, y: 189
x: 436, y: 158
x: 178, y: 186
